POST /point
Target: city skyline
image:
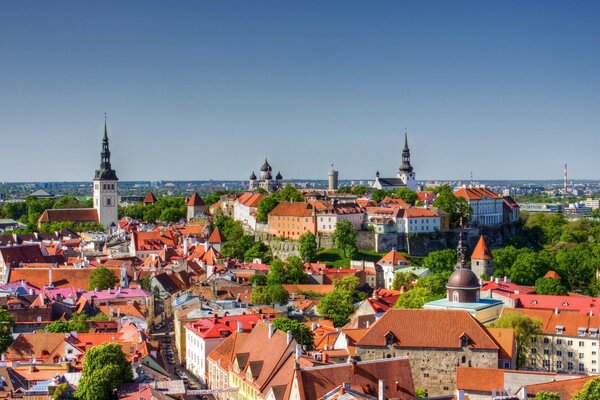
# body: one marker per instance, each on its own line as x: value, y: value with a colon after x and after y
x: 201, y: 91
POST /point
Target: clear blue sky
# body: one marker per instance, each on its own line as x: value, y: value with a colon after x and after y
x: 200, y: 90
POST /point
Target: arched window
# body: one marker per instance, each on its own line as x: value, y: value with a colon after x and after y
x: 455, y: 297
x: 108, y: 201
x: 463, y: 359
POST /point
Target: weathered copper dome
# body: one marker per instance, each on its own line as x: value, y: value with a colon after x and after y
x: 463, y: 278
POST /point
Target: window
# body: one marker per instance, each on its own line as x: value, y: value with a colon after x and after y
x: 570, y: 366
x: 581, y: 367
x: 581, y: 344
x: 546, y: 352
x: 559, y: 365
x: 580, y: 355
x: 533, y: 351
x: 463, y: 359
x: 558, y: 341
x: 532, y: 363
x: 455, y: 297
x: 570, y: 354
x: 533, y: 339
x: 559, y: 353
x: 569, y: 343
x: 546, y: 364
x: 546, y: 340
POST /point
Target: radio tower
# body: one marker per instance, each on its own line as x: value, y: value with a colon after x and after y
x: 565, y: 181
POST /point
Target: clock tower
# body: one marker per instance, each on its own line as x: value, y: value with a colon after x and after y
x: 106, y: 196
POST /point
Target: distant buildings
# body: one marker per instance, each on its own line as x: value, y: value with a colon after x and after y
x: 266, y: 180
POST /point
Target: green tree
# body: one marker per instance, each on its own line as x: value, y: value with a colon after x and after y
x: 435, y: 283
x: 78, y: 323
x: 308, y: 247
x: 360, y: 190
x: 289, y: 193
x: 277, y: 294
x: 457, y: 207
x: 527, y: 268
x: 63, y: 392
x: 338, y: 304
x: 6, y: 325
x: 407, y: 195
x: 277, y: 273
x: 403, y: 280
x: 257, y: 250
x: 105, y: 368
x: 258, y: 280
x: 265, y: 206
x: 546, y: 396
x: 68, y: 202
x: 57, y: 326
x: 524, y: 327
x: 549, y: 286
x: 345, y: 238
x: 295, y: 271
x: 505, y: 258
x: 15, y: 210
x: 440, y: 260
x: 102, y: 278
x: 421, y: 393
x: 171, y: 214
x: 301, y: 332
x: 380, y: 194
x: 577, y: 267
x: 591, y: 391
x: 414, y: 298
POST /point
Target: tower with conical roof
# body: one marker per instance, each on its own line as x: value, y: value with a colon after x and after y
x: 406, y: 172
x: 482, y: 260
x: 106, y: 195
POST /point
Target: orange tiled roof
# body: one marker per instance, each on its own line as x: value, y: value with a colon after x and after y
x: 216, y: 236
x: 505, y: 337
x: 394, y: 258
x: 195, y: 200
x: 150, y: 198
x: 429, y: 329
x: 475, y: 193
x: 566, y: 389
x: 569, y: 320
x: 69, y: 214
x: 479, y: 379
x: 481, y: 250
x: 552, y: 274
x: 250, y: 199
x: 292, y: 209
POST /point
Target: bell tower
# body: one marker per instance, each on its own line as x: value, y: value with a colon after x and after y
x: 406, y: 173
x: 106, y: 196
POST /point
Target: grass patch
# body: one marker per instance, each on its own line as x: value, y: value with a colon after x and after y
x: 335, y: 257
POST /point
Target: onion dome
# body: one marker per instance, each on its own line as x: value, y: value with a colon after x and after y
x: 269, y: 176
x: 266, y: 167
x: 463, y: 278
x: 279, y: 177
x: 252, y: 177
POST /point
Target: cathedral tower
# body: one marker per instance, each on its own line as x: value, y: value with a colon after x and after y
x: 106, y: 196
x: 406, y: 173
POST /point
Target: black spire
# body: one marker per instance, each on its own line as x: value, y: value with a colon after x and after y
x: 105, y: 172
x: 461, y: 249
x: 406, y: 167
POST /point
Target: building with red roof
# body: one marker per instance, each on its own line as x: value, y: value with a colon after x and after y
x: 204, y: 335
x: 245, y: 208
x: 292, y: 219
x: 195, y: 206
x: 149, y: 199
x: 486, y: 206
x: 482, y: 260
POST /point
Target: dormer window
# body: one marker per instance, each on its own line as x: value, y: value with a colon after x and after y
x: 560, y: 329
x: 581, y: 331
x: 390, y: 339
x: 465, y: 340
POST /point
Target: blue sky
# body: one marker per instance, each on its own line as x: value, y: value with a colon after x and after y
x: 200, y: 90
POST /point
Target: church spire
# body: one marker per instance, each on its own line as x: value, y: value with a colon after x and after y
x: 105, y: 172
x: 406, y: 167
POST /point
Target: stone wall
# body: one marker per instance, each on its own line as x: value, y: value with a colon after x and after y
x: 385, y: 242
x: 284, y: 248
x: 365, y: 240
x: 325, y: 241
x: 434, y: 369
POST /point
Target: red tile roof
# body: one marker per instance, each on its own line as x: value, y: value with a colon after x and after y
x: 292, y: 209
x: 150, y: 198
x: 566, y: 389
x: 479, y: 379
x: 16, y: 254
x: 505, y: 337
x: 195, y: 200
x: 552, y: 274
x: 481, y: 251
x: 221, y: 327
x: 216, y: 236
x: 475, y: 193
x: 429, y: 329
x: 570, y: 321
x: 363, y: 376
x: 69, y: 214
x: 250, y: 199
x: 393, y: 258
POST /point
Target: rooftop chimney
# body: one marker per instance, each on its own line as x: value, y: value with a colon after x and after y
x: 271, y: 331
x: 381, y: 390
x: 460, y: 395
x: 524, y: 393
x: 289, y: 337
x: 240, y: 327
x: 556, y: 311
x: 298, y: 351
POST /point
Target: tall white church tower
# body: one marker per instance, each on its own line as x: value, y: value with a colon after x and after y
x: 106, y: 195
x: 406, y: 172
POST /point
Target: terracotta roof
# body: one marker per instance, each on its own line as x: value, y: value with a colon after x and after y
x: 566, y: 389
x: 250, y: 199
x: 323, y: 289
x: 77, y: 278
x: 216, y: 236
x: 150, y: 198
x: 13, y: 255
x: 570, y: 321
x: 582, y: 304
x: 363, y: 376
x: 429, y: 329
x: 195, y: 200
x: 418, y: 212
x: 552, y: 274
x: 37, y: 345
x: 393, y: 200
x: 475, y: 193
x: 505, y: 337
x: 220, y: 327
x: 479, y: 379
x: 292, y: 209
x: 69, y: 214
x: 153, y: 240
x: 481, y: 251
x: 393, y: 258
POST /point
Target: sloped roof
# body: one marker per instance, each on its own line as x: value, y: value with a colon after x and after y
x: 316, y: 382
x: 566, y: 389
x: 150, y: 198
x: 195, y: 200
x: 69, y: 214
x: 292, y: 209
x: 505, y: 337
x: 216, y: 236
x: 481, y: 250
x: 393, y: 258
x: 475, y: 193
x: 429, y: 329
x: 13, y: 255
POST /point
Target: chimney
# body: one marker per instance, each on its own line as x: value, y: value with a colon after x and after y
x: 460, y: 395
x: 185, y: 247
x: 23, y: 284
x: 524, y: 393
x: 497, y: 281
x: 352, y: 361
x: 381, y: 390
x: 505, y: 278
x: 556, y: 311
x: 298, y: 351
x: 289, y: 337
x: 50, y: 276
x: 271, y: 330
x: 240, y: 327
